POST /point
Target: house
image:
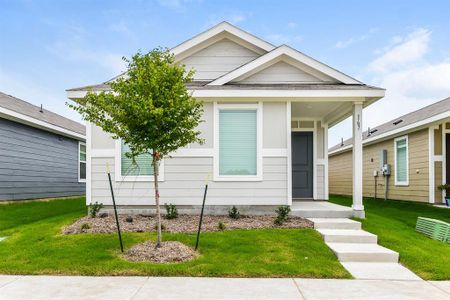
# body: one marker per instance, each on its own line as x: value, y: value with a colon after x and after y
x: 267, y: 110
x: 42, y: 154
x: 417, y: 149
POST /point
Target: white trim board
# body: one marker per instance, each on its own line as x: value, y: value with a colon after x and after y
x: 80, y: 143
x: 406, y: 182
x: 27, y: 120
x: 291, y: 53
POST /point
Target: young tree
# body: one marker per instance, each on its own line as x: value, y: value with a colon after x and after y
x: 149, y: 109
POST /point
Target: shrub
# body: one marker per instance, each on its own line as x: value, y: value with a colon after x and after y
x: 85, y: 226
x: 129, y: 219
x: 282, y: 214
x: 94, y: 208
x: 171, y: 211
x: 221, y: 226
x: 234, y: 213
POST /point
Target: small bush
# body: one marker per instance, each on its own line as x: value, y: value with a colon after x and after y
x: 129, y: 219
x: 234, y: 213
x: 163, y: 227
x: 85, y: 226
x: 282, y: 214
x: 221, y: 226
x: 94, y: 208
x: 171, y: 211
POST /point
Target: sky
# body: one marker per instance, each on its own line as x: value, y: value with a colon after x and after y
x: 47, y: 47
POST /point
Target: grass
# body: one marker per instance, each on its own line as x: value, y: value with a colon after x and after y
x: 35, y: 246
x: 394, y: 222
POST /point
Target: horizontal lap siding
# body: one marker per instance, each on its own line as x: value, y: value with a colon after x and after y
x: 36, y: 164
x: 184, y: 182
x: 340, y: 170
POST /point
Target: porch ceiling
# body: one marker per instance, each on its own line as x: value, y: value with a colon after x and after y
x: 315, y: 110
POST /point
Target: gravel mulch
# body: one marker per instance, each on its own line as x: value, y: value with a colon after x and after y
x: 169, y: 252
x: 182, y: 224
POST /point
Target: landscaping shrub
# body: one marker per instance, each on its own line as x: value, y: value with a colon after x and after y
x: 163, y: 227
x: 129, y: 219
x: 85, y: 226
x: 221, y: 226
x: 282, y: 214
x: 94, y: 208
x: 171, y: 211
x: 234, y: 213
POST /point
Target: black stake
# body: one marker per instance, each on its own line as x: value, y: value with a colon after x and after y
x: 201, y: 216
x: 115, y: 208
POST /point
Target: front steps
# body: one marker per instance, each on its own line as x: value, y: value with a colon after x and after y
x: 320, y: 209
x: 359, y: 252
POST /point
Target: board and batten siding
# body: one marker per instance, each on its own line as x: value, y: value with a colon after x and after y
x: 340, y: 170
x: 218, y: 59
x: 184, y: 176
x: 37, y: 164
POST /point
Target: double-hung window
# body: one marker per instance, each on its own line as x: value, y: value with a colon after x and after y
x: 239, y: 142
x: 81, y: 162
x: 139, y: 168
x: 401, y: 161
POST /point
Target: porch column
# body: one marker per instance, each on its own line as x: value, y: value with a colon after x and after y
x: 358, y: 208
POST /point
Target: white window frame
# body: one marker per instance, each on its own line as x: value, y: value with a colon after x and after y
x: 118, y: 168
x: 80, y: 143
x: 259, y: 136
x: 401, y: 183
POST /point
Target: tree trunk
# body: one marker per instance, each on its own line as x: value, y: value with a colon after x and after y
x: 158, y: 211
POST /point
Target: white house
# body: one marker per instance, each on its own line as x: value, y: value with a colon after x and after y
x: 267, y: 110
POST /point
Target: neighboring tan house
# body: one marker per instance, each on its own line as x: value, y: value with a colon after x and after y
x: 267, y: 110
x: 418, y: 150
x: 42, y: 154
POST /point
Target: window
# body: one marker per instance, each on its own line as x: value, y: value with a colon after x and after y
x: 140, y: 169
x: 81, y: 162
x: 238, y: 142
x: 401, y: 161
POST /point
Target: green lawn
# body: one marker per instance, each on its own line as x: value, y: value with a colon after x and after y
x: 35, y: 246
x: 394, y: 222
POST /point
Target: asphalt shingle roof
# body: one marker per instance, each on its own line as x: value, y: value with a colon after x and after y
x: 402, y: 121
x: 30, y: 110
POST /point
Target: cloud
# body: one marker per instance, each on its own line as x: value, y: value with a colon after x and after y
x: 403, y: 51
x: 345, y: 43
x: 411, y: 79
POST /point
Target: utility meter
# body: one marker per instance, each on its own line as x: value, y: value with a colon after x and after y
x: 386, y: 170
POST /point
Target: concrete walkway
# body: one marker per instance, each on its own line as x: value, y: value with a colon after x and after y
x: 78, y: 287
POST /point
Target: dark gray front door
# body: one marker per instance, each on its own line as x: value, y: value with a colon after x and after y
x: 302, y: 164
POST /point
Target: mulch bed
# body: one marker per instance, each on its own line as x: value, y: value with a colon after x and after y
x: 182, y: 224
x: 169, y: 252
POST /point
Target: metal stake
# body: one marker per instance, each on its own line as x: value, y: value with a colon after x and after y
x: 115, y: 208
x: 201, y: 215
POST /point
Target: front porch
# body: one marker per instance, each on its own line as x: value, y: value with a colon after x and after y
x: 320, y: 209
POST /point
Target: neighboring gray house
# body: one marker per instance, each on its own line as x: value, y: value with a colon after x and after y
x: 42, y: 154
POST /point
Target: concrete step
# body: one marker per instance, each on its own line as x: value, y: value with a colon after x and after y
x: 335, y: 223
x: 379, y: 271
x: 322, y: 213
x: 353, y: 252
x: 347, y: 236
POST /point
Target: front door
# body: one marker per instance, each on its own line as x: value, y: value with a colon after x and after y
x: 302, y: 164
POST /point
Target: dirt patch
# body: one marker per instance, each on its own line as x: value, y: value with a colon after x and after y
x: 184, y: 223
x: 169, y: 252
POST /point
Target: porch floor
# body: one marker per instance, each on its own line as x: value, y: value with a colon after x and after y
x: 320, y: 209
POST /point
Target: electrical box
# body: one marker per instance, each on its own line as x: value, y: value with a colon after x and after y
x: 383, y: 158
x: 386, y: 170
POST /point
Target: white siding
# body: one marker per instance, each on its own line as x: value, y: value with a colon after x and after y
x: 280, y: 72
x: 321, y: 182
x: 218, y: 59
x: 185, y: 181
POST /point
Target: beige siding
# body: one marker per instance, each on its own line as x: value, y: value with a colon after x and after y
x: 281, y: 72
x: 218, y: 59
x: 340, y: 170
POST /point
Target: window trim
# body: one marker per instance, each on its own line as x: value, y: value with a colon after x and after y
x: 259, y: 135
x: 141, y: 178
x: 401, y: 183
x: 80, y: 143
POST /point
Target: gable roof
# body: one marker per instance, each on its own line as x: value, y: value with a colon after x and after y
x: 414, y: 120
x: 317, y: 68
x: 27, y: 113
x: 223, y: 27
